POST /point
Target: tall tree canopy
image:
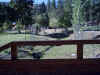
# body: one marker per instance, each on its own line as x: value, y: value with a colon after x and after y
x: 53, y: 4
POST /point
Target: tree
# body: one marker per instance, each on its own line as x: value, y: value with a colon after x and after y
x: 43, y: 8
x: 65, y: 18
x: 24, y: 11
x: 53, y: 4
x: 12, y: 4
x: 43, y: 19
x: 97, y: 11
x: 49, y: 5
x: 3, y: 16
x: 60, y: 4
x: 27, y: 20
x: 76, y: 18
x: 92, y: 10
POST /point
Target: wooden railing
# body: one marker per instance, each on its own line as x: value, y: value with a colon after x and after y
x: 77, y: 66
x: 79, y: 43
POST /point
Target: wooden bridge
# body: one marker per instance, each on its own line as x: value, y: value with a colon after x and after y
x: 77, y: 66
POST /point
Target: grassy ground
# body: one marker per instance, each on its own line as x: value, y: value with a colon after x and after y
x: 6, y: 38
x: 54, y: 52
x: 49, y: 53
x: 61, y: 52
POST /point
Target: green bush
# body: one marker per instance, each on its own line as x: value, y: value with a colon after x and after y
x: 42, y: 19
x: 5, y: 26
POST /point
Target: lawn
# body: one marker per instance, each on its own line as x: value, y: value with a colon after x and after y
x: 49, y: 52
x: 6, y: 38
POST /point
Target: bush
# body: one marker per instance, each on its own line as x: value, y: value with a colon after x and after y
x: 42, y: 19
x: 5, y: 26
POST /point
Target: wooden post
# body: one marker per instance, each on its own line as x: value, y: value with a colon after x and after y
x: 13, y: 51
x: 80, y: 51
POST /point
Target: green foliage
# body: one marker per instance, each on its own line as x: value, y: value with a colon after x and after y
x: 27, y: 20
x: 92, y: 10
x: 61, y: 16
x: 5, y: 26
x: 21, y: 11
x: 49, y: 5
x: 65, y: 13
x: 12, y: 4
x: 3, y: 17
x: 53, y: 4
x: 60, y: 4
x: 24, y: 11
x: 3, y: 14
x: 43, y: 19
x: 18, y: 26
x: 43, y: 8
x: 65, y: 21
x: 53, y: 22
x: 76, y: 12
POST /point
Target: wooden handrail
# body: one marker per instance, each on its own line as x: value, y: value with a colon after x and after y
x: 79, y: 43
x: 57, y: 42
x: 5, y: 47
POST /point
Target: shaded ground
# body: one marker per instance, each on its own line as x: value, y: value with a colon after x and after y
x: 58, y: 35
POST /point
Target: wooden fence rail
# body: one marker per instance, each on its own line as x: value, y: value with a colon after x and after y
x: 79, y: 43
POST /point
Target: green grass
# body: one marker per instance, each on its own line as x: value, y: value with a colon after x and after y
x: 60, y: 52
x: 54, y: 52
x: 91, y: 50
x: 91, y: 28
x: 6, y: 38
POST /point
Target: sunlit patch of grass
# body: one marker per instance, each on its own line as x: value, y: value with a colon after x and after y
x: 57, y: 52
x: 6, y: 38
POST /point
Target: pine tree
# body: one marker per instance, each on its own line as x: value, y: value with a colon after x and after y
x: 65, y: 19
x: 60, y: 4
x: 97, y: 12
x: 53, y: 4
x: 43, y: 8
x: 49, y: 5
x: 12, y: 4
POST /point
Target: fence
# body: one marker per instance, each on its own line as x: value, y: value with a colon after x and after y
x: 50, y: 66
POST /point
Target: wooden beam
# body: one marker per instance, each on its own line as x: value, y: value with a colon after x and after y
x: 80, y: 51
x: 57, y: 42
x: 13, y: 51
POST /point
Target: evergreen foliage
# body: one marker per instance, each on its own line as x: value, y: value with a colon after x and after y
x: 53, y: 4
x: 65, y: 18
x: 49, y: 5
